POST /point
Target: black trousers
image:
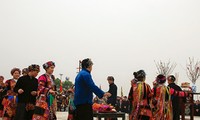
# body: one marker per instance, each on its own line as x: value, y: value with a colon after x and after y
x: 22, y: 114
x: 176, y: 114
x: 84, y: 112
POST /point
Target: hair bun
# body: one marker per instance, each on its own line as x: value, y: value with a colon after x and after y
x: 135, y: 74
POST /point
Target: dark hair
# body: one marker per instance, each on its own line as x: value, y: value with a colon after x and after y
x: 25, y: 71
x: 14, y: 70
x: 86, y: 63
x: 1, y: 77
x: 161, y: 79
x: 139, y: 75
x: 171, y: 77
x: 111, y: 78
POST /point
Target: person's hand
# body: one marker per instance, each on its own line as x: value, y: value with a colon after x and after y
x: 52, y: 92
x: 107, y: 94
x: 33, y: 93
x: 20, y: 91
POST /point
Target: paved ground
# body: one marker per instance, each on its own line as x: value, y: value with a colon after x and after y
x: 195, y: 118
x: 63, y: 116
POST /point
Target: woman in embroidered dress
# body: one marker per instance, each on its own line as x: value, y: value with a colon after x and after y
x: 161, y: 101
x: 2, y: 94
x: 71, y: 105
x: 139, y: 96
x: 10, y: 101
x: 46, y: 104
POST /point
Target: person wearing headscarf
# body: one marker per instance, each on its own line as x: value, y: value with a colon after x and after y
x: 47, y: 94
x: 2, y: 94
x: 84, y: 89
x: 162, y: 107
x: 26, y: 88
x: 10, y: 100
x: 161, y: 101
x: 140, y: 97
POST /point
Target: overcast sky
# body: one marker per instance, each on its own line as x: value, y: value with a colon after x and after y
x: 120, y: 36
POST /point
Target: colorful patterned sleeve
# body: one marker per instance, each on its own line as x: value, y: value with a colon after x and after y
x: 178, y: 93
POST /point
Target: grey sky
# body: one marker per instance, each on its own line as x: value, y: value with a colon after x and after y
x: 120, y: 36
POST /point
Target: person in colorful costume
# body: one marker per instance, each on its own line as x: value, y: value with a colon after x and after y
x: 10, y: 100
x: 161, y: 100
x: 26, y: 88
x: 2, y: 94
x: 71, y: 108
x: 46, y: 103
x: 140, y: 97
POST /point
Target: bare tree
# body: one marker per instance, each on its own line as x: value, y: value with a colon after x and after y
x: 193, y: 71
x: 165, y: 68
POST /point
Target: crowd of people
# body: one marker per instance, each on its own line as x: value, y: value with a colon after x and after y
x: 28, y: 98
x: 123, y: 105
x: 144, y: 103
x: 62, y: 103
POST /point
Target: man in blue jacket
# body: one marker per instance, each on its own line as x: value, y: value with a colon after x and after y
x: 84, y: 89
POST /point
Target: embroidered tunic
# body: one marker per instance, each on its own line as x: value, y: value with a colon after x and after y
x: 140, y: 96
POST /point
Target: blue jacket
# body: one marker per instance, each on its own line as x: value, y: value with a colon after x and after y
x: 84, y: 88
